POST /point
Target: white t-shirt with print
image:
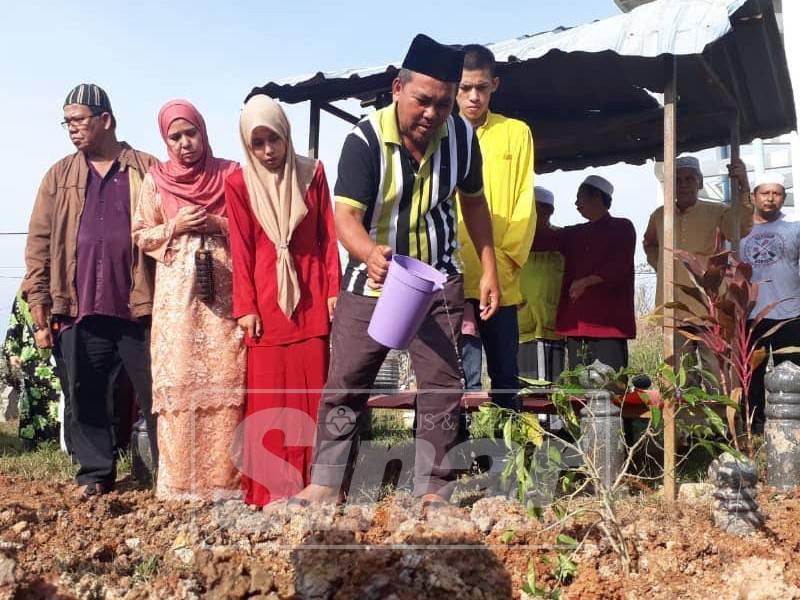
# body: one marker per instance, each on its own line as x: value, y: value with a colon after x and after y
x: 774, y: 251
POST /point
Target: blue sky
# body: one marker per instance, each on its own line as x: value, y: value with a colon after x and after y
x: 145, y: 53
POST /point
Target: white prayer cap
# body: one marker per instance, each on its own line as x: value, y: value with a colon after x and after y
x: 604, y: 185
x: 543, y: 195
x: 688, y: 162
x: 770, y: 177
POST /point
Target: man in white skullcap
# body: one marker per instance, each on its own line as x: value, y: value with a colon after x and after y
x: 773, y: 249
x: 541, y: 350
x: 595, y: 310
x: 696, y: 225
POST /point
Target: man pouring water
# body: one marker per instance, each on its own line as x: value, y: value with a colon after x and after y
x: 398, y: 173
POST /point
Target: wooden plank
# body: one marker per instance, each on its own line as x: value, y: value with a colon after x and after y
x: 313, y: 130
x: 537, y: 403
x: 338, y: 112
x: 668, y: 277
x: 734, y: 187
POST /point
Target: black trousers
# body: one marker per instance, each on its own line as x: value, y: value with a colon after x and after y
x: 355, y: 361
x: 94, y: 351
x: 787, y: 335
x: 500, y: 339
x: 541, y: 359
x: 610, y: 351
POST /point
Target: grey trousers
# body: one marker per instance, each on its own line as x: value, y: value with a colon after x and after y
x: 355, y: 360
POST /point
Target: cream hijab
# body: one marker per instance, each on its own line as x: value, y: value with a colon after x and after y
x: 277, y: 198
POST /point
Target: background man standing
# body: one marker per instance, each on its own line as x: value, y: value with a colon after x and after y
x: 773, y: 248
x: 507, y: 149
x: 398, y: 172
x: 84, y: 272
x: 696, y: 224
x: 595, y: 312
x: 541, y: 350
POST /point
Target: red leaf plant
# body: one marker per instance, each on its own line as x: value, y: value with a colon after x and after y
x: 723, y: 286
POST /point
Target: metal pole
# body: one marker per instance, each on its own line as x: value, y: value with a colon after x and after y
x: 734, y: 187
x: 668, y: 276
x: 313, y: 130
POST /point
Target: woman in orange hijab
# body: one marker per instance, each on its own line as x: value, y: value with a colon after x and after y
x: 198, y: 356
x: 286, y: 278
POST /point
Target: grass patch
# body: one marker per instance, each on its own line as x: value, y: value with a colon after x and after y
x: 45, y: 462
x: 124, y: 463
x: 646, y: 352
x: 10, y: 442
x: 389, y: 426
x: 147, y: 568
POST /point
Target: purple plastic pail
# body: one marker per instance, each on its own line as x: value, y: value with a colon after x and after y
x: 406, y: 297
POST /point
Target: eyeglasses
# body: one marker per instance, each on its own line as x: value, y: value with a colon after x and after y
x: 78, y: 122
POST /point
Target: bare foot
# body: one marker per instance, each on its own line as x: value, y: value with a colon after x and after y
x: 428, y: 499
x: 317, y: 494
x: 433, y: 501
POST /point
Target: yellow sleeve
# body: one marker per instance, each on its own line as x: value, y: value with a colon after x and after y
x: 518, y: 236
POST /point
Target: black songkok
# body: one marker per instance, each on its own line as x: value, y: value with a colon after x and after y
x: 429, y: 57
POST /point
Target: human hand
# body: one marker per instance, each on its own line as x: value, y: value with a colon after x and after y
x: 579, y: 286
x: 15, y: 362
x: 738, y: 170
x: 489, y: 287
x: 331, y: 307
x: 43, y: 338
x: 41, y: 318
x: 378, y: 264
x: 251, y: 325
x: 190, y: 219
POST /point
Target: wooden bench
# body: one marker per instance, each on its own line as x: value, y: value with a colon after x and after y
x: 632, y: 408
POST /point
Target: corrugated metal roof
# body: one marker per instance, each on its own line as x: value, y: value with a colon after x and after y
x: 588, y: 92
x: 677, y: 27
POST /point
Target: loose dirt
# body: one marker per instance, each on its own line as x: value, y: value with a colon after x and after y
x: 130, y: 545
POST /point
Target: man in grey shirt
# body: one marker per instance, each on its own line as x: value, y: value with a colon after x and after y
x: 773, y: 249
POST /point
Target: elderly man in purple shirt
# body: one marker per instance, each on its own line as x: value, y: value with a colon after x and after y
x: 89, y: 288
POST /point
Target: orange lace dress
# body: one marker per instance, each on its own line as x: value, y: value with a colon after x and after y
x: 198, y: 359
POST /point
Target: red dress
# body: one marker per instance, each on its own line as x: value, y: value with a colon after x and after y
x: 287, y: 366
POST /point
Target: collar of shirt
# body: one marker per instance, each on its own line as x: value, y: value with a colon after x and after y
x: 391, y: 132
x: 691, y: 209
x: 487, y: 123
x: 125, y: 159
x: 606, y: 218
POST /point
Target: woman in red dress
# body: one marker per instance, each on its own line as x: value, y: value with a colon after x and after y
x: 286, y: 278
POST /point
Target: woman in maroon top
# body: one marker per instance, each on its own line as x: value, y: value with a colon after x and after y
x: 286, y: 278
x: 595, y: 312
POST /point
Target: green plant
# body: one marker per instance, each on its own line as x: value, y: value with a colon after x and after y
x: 508, y: 536
x: 710, y: 432
x: 727, y: 295
x: 532, y: 588
x: 522, y: 434
x: 147, y: 568
x: 646, y: 352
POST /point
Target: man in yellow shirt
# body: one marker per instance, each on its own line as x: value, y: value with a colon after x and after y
x: 542, y: 351
x: 507, y: 149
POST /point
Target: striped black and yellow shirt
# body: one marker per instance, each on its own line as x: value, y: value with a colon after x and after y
x: 407, y: 207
